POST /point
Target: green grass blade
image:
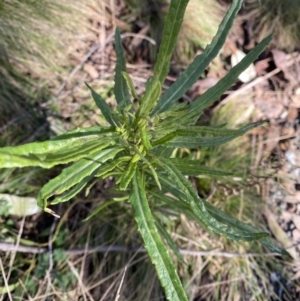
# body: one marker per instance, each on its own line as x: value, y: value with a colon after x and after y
x: 200, y: 63
x: 153, y: 243
x: 62, y: 149
x: 75, y: 173
x: 120, y: 89
x: 214, y: 93
x: 106, y: 110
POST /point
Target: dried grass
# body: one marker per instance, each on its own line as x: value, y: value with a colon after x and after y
x: 277, y: 17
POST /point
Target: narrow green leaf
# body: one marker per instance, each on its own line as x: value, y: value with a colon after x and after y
x: 183, y: 207
x: 200, y: 63
x: 75, y: 173
x: 219, y: 131
x: 179, y: 201
x: 214, y: 93
x: 150, y: 98
x: 120, y: 89
x: 169, y: 240
x: 130, y: 85
x: 165, y: 139
x: 171, y: 187
x: 195, y: 168
x: 176, y: 110
x: 145, y: 160
x: 145, y: 139
x: 267, y: 242
x: 127, y: 176
x: 174, y: 202
x: 199, y: 208
x: 101, y: 172
x: 106, y: 110
x: 172, y: 25
x: 188, y: 138
x: 222, y: 216
x: 192, y: 142
x: 105, y: 168
x: 60, y: 150
x: 72, y: 192
x: 153, y: 243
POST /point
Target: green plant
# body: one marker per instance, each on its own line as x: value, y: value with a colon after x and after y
x: 136, y: 149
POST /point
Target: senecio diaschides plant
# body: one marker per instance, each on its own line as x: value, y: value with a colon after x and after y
x: 136, y: 148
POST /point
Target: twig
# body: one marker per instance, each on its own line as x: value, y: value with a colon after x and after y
x: 7, y: 247
x: 50, y: 251
x: 9, y: 123
x: 92, y: 50
x: 25, y: 290
x: 81, y: 285
x: 139, y: 36
x: 5, y: 281
x: 249, y: 86
x: 13, y: 255
x: 121, y: 283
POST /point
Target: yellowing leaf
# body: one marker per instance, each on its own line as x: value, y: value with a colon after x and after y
x: 20, y: 206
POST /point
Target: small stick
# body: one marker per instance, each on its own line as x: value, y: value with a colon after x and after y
x: 8, y: 247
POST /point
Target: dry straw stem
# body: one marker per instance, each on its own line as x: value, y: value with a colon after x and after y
x: 8, y: 247
x: 37, y: 35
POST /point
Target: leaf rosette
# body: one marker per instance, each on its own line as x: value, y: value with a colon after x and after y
x: 136, y: 146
